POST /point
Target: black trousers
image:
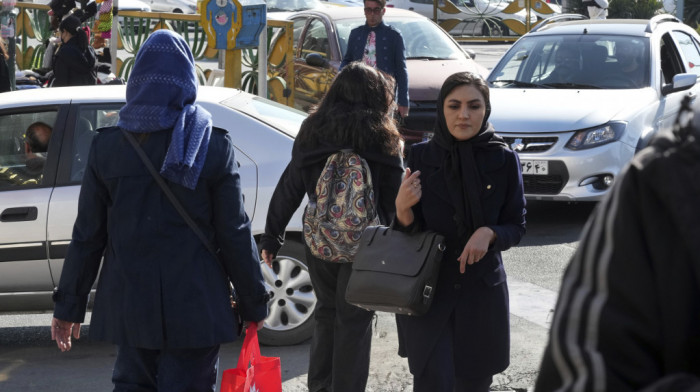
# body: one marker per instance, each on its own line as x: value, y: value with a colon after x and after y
x: 342, y: 340
x: 166, y: 370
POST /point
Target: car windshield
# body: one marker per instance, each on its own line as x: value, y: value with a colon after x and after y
x: 578, y: 62
x: 282, y: 117
x: 423, y: 39
x: 292, y: 5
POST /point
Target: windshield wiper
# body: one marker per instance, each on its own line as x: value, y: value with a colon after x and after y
x: 519, y: 83
x: 572, y: 85
x: 426, y: 58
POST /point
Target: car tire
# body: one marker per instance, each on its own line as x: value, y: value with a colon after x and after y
x: 492, y: 28
x: 505, y: 31
x: 291, y: 318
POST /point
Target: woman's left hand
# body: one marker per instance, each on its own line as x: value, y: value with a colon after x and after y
x: 476, y: 247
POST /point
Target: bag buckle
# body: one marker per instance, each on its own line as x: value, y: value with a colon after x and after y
x: 427, y: 291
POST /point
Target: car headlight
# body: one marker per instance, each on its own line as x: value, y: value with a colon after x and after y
x: 595, y: 137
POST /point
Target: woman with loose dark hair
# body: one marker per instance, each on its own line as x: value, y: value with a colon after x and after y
x: 465, y: 183
x: 356, y: 113
x: 351, y: 107
x: 74, y: 63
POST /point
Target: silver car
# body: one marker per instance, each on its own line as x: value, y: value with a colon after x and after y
x: 37, y: 210
x: 578, y: 99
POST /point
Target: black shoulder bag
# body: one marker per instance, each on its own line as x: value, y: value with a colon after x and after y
x: 181, y: 210
x: 394, y: 271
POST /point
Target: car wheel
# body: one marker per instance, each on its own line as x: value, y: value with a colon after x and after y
x: 505, y: 31
x: 491, y: 28
x: 291, y: 318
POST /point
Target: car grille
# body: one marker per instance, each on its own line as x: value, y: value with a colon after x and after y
x: 531, y: 144
x: 550, y: 184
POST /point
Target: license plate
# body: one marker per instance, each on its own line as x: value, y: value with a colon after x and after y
x: 538, y: 168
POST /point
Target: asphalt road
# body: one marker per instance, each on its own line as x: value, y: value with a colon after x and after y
x: 29, y: 361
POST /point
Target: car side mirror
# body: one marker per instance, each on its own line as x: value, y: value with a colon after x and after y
x: 316, y: 60
x: 471, y: 53
x: 680, y: 82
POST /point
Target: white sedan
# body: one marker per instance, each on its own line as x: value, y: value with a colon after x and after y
x: 577, y: 99
x: 37, y: 214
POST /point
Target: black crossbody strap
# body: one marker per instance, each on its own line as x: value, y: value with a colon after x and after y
x: 173, y: 199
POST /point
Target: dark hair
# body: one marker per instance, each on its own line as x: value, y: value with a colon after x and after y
x: 382, y: 2
x: 72, y: 25
x: 356, y: 111
x: 38, y: 141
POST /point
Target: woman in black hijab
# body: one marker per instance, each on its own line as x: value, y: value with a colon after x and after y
x: 74, y: 64
x: 466, y: 184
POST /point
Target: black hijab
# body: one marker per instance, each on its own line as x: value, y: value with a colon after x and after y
x: 461, y: 173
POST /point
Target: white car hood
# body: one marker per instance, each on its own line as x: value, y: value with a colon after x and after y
x: 556, y: 110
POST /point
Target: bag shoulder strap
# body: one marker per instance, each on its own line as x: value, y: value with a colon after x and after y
x: 173, y: 199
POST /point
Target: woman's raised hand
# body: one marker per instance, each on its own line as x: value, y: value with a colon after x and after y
x: 409, y: 194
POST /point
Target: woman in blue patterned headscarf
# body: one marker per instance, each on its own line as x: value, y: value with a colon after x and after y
x: 161, y: 297
x: 161, y: 94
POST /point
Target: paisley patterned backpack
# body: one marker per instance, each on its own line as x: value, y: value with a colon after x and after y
x: 344, y: 207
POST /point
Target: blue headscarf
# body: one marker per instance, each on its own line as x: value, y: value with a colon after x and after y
x: 161, y: 94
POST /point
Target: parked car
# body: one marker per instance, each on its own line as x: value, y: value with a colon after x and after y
x: 347, y: 3
x: 36, y: 218
x: 320, y: 41
x: 174, y: 6
x: 480, y: 17
x: 282, y: 9
x: 124, y: 5
x: 134, y: 5
x: 575, y: 130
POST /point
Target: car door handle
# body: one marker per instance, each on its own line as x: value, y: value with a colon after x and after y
x: 19, y: 214
x: 692, y: 96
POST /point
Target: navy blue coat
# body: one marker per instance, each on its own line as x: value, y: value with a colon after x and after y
x: 73, y: 66
x: 476, y: 301
x: 159, y: 287
x: 391, y: 54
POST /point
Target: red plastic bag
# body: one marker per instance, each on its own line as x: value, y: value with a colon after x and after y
x: 254, y: 372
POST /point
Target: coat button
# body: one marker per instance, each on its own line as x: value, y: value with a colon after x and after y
x: 488, y: 186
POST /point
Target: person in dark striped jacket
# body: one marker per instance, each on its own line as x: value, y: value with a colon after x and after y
x: 628, y: 314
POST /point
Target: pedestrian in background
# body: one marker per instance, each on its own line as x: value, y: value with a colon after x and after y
x: 628, y: 313
x: 356, y: 113
x: 74, y: 61
x: 5, y: 84
x: 162, y: 297
x: 465, y: 184
x: 380, y: 46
